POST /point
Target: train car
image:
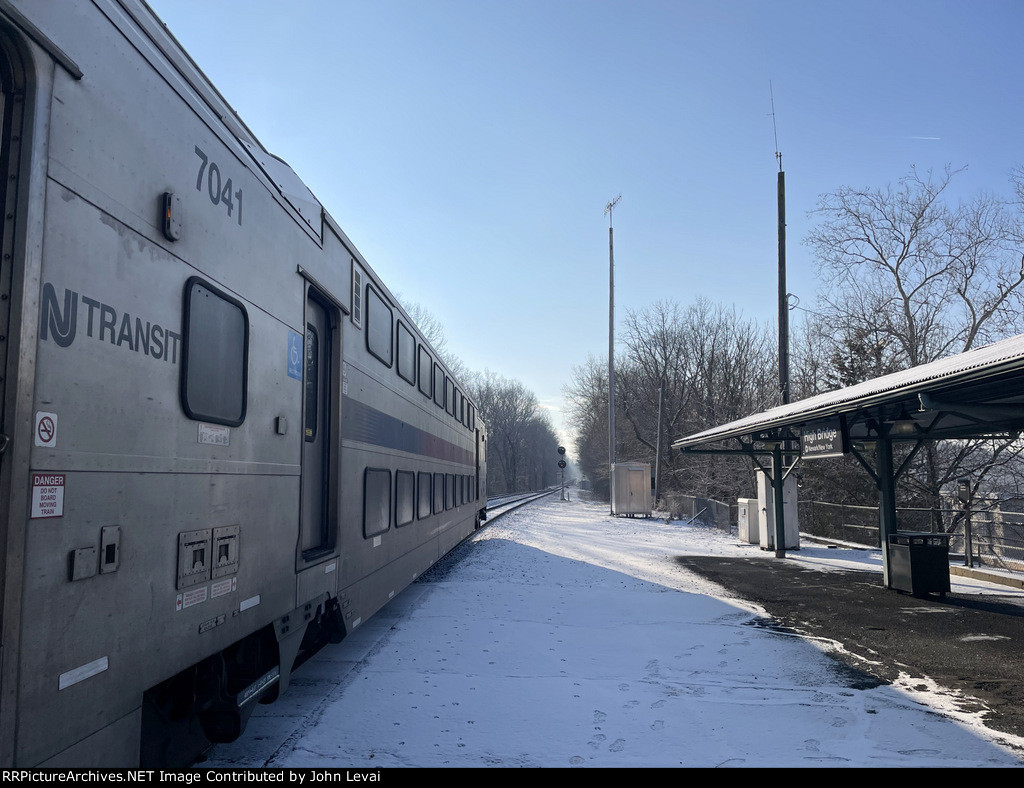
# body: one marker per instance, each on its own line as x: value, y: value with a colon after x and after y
x: 223, y: 442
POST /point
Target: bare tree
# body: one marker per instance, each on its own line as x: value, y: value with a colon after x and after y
x: 910, y: 277
x: 433, y: 331
x: 710, y: 366
x: 522, y: 443
x: 934, y: 279
x: 586, y: 408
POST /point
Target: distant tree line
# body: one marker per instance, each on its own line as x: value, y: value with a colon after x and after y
x: 710, y: 365
x: 522, y: 449
x: 908, y: 276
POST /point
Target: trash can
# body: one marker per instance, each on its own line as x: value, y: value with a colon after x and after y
x: 919, y: 563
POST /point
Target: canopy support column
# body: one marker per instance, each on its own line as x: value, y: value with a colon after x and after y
x: 778, y: 480
x: 886, y: 479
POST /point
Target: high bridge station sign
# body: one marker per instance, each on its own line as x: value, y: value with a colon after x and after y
x: 823, y: 439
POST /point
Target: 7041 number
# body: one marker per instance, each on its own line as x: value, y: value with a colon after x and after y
x: 217, y: 189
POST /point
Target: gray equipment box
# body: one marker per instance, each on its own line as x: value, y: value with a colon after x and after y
x: 766, y: 515
x: 631, y: 488
x: 748, y: 517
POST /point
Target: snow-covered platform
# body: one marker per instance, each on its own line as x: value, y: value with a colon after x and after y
x: 564, y: 637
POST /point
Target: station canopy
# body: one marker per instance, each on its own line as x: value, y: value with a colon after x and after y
x: 975, y: 394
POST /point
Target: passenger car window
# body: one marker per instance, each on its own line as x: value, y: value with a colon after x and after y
x: 438, y: 493
x: 312, y: 381
x: 406, y: 354
x: 438, y: 385
x: 215, y: 355
x: 376, y: 501
x: 379, y: 327
x: 423, y: 496
x: 405, y: 489
x: 425, y: 363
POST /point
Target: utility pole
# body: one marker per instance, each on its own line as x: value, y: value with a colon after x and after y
x: 657, y: 452
x: 611, y: 354
x: 778, y: 473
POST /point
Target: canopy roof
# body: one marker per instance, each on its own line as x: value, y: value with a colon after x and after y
x: 977, y: 393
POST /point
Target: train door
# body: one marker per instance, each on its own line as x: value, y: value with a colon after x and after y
x: 480, y: 495
x: 476, y: 470
x: 8, y: 168
x: 11, y: 105
x: 320, y: 424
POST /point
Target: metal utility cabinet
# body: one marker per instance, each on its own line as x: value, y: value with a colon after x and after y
x: 631, y: 489
x: 766, y: 513
x: 748, y: 517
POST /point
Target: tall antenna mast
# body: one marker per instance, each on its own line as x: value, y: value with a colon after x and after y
x: 611, y: 355
x: 783, y: 294
x: 775, y: 129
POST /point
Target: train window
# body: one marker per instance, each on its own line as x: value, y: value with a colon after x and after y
x: 472, y: 417
x: 405, y: 494
x: 423, y: 499
x: 379, y: 327
x: 449, y: 490
x: 461, y: 499
x: 406, y: 354
x: 425, y: 363
x: 357, y: 295
x: 438, y: 493
x: 449, y: 395
x: 215, y: 351
x: 376, y: 501
x: 312, y: 381
x: 438, y: 385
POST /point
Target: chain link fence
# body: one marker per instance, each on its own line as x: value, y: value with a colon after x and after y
x: 996, y: 537
x: 695, y: 509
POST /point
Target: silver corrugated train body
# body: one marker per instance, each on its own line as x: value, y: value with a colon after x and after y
x: 224, y: 443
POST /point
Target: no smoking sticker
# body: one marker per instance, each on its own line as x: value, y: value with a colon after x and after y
x: 46, y: 429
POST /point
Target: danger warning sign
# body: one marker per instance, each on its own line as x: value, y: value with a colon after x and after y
x: 47, y: 495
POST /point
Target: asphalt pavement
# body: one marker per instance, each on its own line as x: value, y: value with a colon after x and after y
x: 967, y: 642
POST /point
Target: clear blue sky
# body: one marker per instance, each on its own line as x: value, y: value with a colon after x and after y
x: 468, y: 147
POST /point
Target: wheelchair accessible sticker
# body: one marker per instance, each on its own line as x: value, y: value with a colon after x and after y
x: 294, y: 355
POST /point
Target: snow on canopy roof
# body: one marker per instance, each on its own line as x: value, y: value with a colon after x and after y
x: 999, y: 357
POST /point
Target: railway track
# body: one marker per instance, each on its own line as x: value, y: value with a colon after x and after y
x: 503, y: 504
